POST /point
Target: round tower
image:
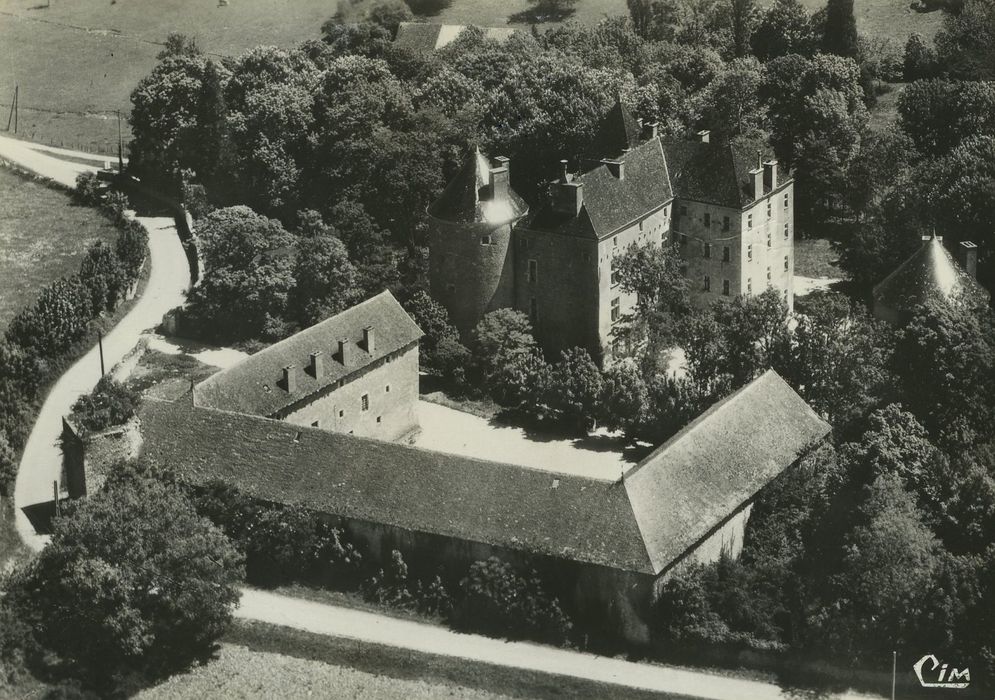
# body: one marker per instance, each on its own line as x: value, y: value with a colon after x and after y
x: 471, y: 269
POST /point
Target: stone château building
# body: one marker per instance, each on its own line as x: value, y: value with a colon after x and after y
x: 356, y: 373
x: 726, y: 207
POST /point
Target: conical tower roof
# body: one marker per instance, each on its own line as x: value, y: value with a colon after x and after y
x: 470, y: 197
x: 930, y: 273
x: 617, y: 131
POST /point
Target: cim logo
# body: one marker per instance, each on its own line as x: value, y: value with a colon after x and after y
x: 934, y: 674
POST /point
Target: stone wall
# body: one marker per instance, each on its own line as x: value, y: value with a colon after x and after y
x: 391, y: 388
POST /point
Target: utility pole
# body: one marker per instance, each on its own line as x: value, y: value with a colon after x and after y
x: 894, y: 667
x: 17, y: 105
x: 55, y: 497
x: 120, y: 145
x: 100, y: 345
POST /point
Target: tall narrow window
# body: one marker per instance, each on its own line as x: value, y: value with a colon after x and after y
x: 786, y: 232
x: 749, y: 252
x: 707, y: 250
x: 725, y: 287
x: 725, y: 223
x: 768, y: 273
x: 786, y: 264
x: 749, y: 221
x: 616, y: 309
x: 533, y: 271
x: 768, y: 239
x: 725, y: 253
x: 533, y: 308
x: 708, y: 283
x: 785, y: 200
x: 768, y: 209
x: 365, y: 402
x: 749, y: 285
x: 708, y: 220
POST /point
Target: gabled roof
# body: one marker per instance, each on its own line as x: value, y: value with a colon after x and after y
x: 469, y: 197
x: 255, y: 385
x: 710, y: 469
x: 929, y: 273
x: 617, y: 131
x: 519, y: 508
x: 716, y: 172
x: 426, y: 36
x: 611, y: 203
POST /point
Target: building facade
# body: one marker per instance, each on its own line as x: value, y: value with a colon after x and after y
x: 724, y: 206
x: 355, y: 373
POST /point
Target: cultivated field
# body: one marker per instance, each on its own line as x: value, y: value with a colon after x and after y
x: 42, y: 237
x: 77, y: 61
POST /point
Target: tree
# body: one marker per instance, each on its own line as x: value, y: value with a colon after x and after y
x: 428, y: 7
x: 389, y: 14
x: 939, y: 114
x: 110, y: 403
x: 623, y: 398
x: 733, y: 101
x: 505, y: 354
x: 133, y: 580
x: 840, y: 31
x: 756, y: 334
x: 177, y: 44
x: 966, y: 44
x: 784, y: 28
x: 919, y: 60
x: 742, y: 12
x: 433, y: 319
x: 551, y: 10
x: 105, y: 275
x: 573, y: 388
x: 8, y: 465
x: 325, y: 280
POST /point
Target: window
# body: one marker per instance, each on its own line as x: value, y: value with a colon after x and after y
x: 725, y: 287
x: 615, y: 277
x: 768, y: 209
x: 786, y: 263
x: 768, y: 273
x: 379, y: 419
x: 665, y: 210
x: 640, y: 227
x: 749, y: 221
x: 725, y: 253
x: 749, y: 285
x: 708, y: 283
x: 786, y: 232
x: 387, y: 389
x: 725, y: 223
x: 341, y: 414
x: 708, y: 220
x: 315, y: 424
x: 485, y: 240
x: 616, y: 309
x: 708, y: 250
x: 749, y: 252
x: 533, y: 271
x: 614, y: 241
x: 533, y: 308
x: 364, y: 401
x: 768, y: 239
x: 785, y: 200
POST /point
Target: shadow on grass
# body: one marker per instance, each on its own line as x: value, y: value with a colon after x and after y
x: 542, y: 14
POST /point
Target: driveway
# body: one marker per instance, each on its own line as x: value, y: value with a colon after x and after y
x: 444, y: 429
x: 169, y: 277
x: 331, y: 620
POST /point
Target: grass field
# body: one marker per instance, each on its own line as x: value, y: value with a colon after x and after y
x: 42, y: 237
x: 77, y: 61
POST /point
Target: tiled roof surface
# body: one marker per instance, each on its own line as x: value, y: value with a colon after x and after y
x: 468, y: 198
x: 611, y: 203
x: 717, y: 463
x: 255, y: 385
x: 517, y: 507
x: 929, y: 273
x: 717, y: 172
x: 617, y: 131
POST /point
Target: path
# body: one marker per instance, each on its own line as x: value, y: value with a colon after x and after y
x: 430, y: 639
x: 169, y: 277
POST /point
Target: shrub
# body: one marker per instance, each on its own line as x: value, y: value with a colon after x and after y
x: 8, y: 467
x: 132, y: 247
x: 110, y: 403
x: 115, y: 204
x: 390, y: 586
x: 105, y: 275
x: 58, y: 319
x: 195, y: 200
x: 497, y: 600
x: 89, y: 189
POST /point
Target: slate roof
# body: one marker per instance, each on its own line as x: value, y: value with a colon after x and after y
x: 717, y: 172
x: 255, y: 385
x: 611, y: 203
x: 929, y: 273
x: 617, y: 131
x: 426, y: 36
x: 719, y: 462
x: 517, y: 507
x: 468, y: 196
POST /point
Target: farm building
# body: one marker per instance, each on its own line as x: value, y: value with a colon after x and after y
x: 604, y: 547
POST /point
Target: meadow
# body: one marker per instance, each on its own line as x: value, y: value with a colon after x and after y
x: 43, y: 237
x: 77, y: 61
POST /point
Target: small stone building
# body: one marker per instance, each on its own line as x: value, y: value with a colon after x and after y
x: 724, y: 206
x: 604, y: 547
x: 931, y: 272
x: 356, y: 373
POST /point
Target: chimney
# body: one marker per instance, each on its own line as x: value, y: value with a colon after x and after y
x: 345, y: 353
x: 290, y: 379
x: 500, y: 176
x: 567, y: 197
x: 369, y: 340
x: 564, y: 175
x: 317, y: 364
x: 654, y: 130
x: 616, y: 167
x: 758, y: 183
x: 704, y: 135
x: 967, y: 256
x: 770, y: 175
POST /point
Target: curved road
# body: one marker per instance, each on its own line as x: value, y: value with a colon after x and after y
x: 169, y: 277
